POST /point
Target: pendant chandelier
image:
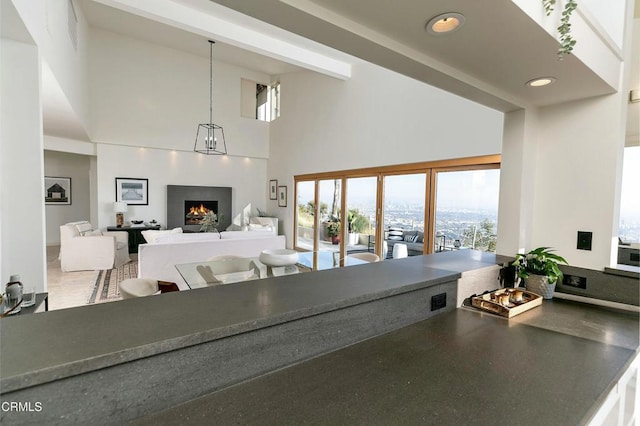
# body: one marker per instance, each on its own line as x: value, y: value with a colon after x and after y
x: 210, y: 136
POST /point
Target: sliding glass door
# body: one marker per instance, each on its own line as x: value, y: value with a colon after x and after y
x: 305, y: 215
x: 361, y: 205
x: 466, y: 213
x: 404, y: 214
x: 396, y: 211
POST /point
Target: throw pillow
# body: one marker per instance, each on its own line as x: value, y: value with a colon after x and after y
x: 257, y: 227
x: 151, y: 235
x: 83, y: 227
x: 92, y: 233
x: 395, y: 232
x: 411, y: 238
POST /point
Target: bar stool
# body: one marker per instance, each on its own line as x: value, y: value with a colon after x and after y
x: 138, y: 287
x: 399, y: 251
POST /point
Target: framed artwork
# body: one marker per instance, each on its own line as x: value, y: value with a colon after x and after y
x: 57, y: 190
x: 273, y: 189
x: 282, y: 196
x: 132, y: 191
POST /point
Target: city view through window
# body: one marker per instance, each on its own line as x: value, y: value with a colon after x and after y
x: 629, y: 229
x: 466, y: 211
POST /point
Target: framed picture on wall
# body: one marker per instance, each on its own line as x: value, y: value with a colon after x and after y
x: 133, y: 191
x: 57, y: 190
x: 282, y: 196
x: 273, y: 189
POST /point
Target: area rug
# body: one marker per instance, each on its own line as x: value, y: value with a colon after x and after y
x: 105, y: 287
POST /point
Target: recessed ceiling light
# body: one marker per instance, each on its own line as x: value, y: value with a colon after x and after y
x: 541, y: 81
x: 445, y: 23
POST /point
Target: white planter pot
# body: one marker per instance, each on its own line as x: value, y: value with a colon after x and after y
x: 539, y: 284
x: 354, y: 238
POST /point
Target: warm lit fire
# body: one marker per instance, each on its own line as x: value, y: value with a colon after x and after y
x: 197, y: 211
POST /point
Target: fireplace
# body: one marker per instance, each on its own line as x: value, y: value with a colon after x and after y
x: 194, y: 211
x: 181, y: 199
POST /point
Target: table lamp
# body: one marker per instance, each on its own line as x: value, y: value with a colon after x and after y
x: 120, y: 208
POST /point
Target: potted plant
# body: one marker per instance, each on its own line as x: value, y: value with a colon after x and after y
x: 209, y: 223
x: 539, y: 270
x: 357, y: 224
x: 333, y: 231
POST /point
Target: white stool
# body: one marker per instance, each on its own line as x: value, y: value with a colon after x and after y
x: 367, y: 257
x: 399, y: 251
x: 138, y: 287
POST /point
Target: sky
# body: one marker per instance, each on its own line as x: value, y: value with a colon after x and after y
x: 456, y: 190
x: 630, y: 197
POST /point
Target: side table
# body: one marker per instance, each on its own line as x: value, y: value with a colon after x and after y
x: 135, y: 234
x: 40, y: 297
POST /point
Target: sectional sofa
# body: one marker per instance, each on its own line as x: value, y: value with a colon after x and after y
x: 157, y: 259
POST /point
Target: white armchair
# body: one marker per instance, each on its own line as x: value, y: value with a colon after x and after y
x: 83, y: 249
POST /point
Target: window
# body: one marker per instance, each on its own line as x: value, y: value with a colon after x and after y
x: 305, y: 215
x: 404, y: 213
x: 259, y: 101
x: 393, y: 211
x: 629, y: 228
x: 274, y: 96
x: 467, y: 210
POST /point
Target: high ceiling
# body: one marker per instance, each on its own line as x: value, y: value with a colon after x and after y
x: 121, y: 22
x: 488, y: 60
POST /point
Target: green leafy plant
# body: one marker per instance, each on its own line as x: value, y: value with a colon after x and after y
x: 333, y: 228
x: 357, y: 222
x: 567, y: 42
x: 209, y: 223
x: 540, y: 261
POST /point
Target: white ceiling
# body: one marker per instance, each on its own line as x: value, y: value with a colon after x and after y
x: 488, y: 60
x: 118, y: 21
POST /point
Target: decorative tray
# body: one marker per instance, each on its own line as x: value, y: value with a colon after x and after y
x: 507, y: 302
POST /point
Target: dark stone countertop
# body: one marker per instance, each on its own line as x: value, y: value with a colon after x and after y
x: 552, y: 365
x: 48, y: 346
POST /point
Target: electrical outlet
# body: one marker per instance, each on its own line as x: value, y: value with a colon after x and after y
x: 575, y: 281
x: 438, y: 301
x: 584, y: 240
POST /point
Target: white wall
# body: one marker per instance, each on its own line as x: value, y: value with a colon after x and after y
x: 578, y: 178
x: 610, y: 14
x: 518, y: 172
x: 78, y: 168
x: 561, y: 173
x: 46, y: 20
x: 147, y: 101
x: 144, y: 94
x: 377, y: 118
x: 21, y: 147
x: 246, y: 177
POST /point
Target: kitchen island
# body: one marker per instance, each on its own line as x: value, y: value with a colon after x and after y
x: 552, y: 365
x: 335, y: 339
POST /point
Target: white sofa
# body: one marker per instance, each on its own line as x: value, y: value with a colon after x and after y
x: 83, y: 248
x: 157, y: 260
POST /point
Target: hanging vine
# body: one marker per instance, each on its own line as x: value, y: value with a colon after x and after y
x: 567, y: 42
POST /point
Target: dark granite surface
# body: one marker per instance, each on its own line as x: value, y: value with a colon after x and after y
x: 72, y: 341
x: 462, y: 367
